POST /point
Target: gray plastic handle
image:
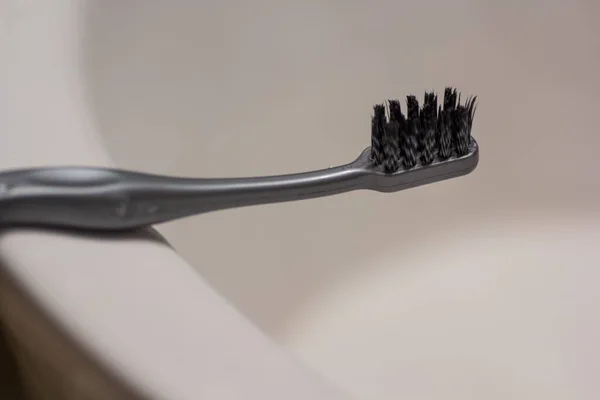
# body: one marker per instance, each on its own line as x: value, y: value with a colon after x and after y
x: 110, y: 199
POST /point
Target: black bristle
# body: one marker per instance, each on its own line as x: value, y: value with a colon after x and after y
x: 428, y: 133
x: 472, y: 107
x: 395, y: 111
x: 412, y: 108
x: 463, y: 119
x: 449, y: 99
x: 444, y: 134
x: 448, y: 129
x: 397, y: 117
x: 429, y: 126
x: 391, y: 149
x: 410, y: 134
x: 460, y: 135
x: 377, y: 131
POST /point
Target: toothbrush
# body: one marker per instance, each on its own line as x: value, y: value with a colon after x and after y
x: 427, y: 145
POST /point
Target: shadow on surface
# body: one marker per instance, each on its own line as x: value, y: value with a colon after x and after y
x: 11, y: 386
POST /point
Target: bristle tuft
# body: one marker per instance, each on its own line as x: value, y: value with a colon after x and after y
x: 377, y: 131
x: 409, y: 136
x: 428, y: 125
x: 449, y: 99
x: 395, y: 111
x: 444, y: 134
x: 391, y: 149
x: 471, y: 107
x: 461, y: 132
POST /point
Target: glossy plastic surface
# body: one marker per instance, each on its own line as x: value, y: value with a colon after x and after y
x: 104, y: 198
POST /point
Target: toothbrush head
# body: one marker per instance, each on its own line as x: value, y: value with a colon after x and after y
x: 429, y: 143
x: 427, y: 135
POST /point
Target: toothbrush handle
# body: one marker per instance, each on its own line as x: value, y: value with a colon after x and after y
x: 109, y: 199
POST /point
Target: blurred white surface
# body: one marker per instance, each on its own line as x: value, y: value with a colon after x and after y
x: 457, y: 317
x: 484, y: 286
